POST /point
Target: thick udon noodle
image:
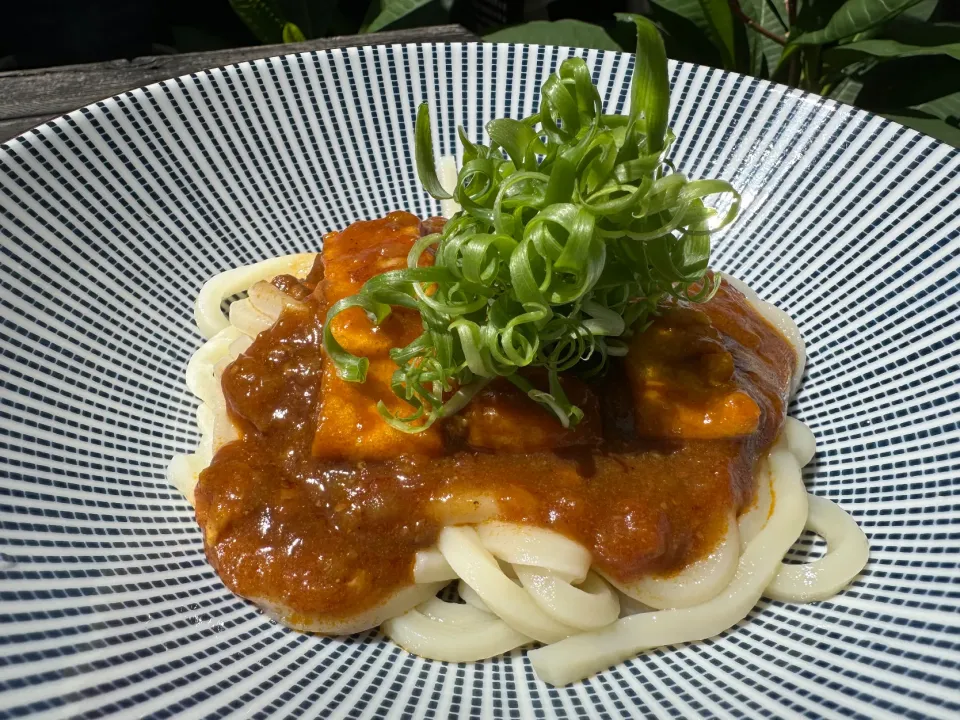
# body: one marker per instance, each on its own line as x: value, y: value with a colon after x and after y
x: 521, y: 584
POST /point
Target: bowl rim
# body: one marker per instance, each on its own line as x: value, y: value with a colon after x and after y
x: 78, y: 116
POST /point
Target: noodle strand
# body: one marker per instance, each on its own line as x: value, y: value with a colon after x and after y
x: 452, y: 632
x: 462, y: 548
x: 585, y: 654
x: 695, y: 584
x: 521, y: 583
x: 588, y: 607
x: 847, y: 554
x: 210, y: 318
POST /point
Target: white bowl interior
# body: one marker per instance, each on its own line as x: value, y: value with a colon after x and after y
x: 113, y: 216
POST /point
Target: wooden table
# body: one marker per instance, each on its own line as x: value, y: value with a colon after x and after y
x: 31, y: 97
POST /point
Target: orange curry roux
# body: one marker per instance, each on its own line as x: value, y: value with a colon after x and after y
x: 321, y: 506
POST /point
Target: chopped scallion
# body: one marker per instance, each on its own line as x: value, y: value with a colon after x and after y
x: 574, y: 227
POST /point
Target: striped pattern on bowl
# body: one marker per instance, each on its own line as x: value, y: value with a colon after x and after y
x: 113, y: 216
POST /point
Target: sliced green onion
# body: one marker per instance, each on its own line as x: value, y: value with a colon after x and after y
x: 426, y: 165
x: 574, y: 227
x: 650, y: 89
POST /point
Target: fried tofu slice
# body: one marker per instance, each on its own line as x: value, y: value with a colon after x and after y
x: 349, y: 426
x: 502, y: 418
x: 683, y: 382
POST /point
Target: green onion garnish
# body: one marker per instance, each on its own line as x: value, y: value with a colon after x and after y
x: 573, y: 228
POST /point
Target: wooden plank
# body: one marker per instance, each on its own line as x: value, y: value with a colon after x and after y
x: 31, y: 97
x: 12, y: 128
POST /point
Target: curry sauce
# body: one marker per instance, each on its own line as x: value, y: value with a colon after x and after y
x: 321, y: 507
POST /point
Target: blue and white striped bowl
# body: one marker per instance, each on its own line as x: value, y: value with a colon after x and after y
x: 113, y: 216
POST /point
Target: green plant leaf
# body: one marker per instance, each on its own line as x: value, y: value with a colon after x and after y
x: 776, y: 12
x: 855, y: 16
x: 921, y: 12
x: 844, y: 75
x: 894, y: 49
x: 924, y: 34
x: 292, y: 34
x: 922, y: 92
x: 573, y: 33
x: 844, y: 83
x: 847, y: 90
x: 713, y: 17
x: 947, y: 108
x: 684, y: 39
x: 928, y: 125
x: 691, y: 10
x: 373, y: 9
x: 813, y: 16
x: 895, y: 84
x: 765, y: 14
x: 263, y: 17
x: 393, y: 10
x: 720, y: 21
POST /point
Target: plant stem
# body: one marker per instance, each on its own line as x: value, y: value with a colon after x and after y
x: 793, y: 70
x: 812, y: 68
x: 753, y: 24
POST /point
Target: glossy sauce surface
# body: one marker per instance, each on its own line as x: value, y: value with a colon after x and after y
x: 666, y: 451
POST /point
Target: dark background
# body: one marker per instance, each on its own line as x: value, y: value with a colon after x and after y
x: 45, y: 33
x: 913, y: 78
x: 60, y: 32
